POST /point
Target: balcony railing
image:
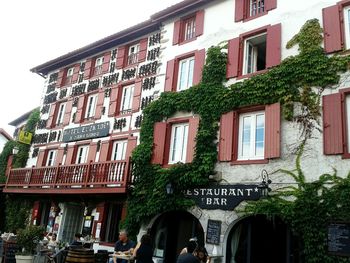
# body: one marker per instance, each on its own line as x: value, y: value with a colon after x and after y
x: 102, y: 177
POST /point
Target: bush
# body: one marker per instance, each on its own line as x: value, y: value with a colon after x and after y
x: 28, y: 238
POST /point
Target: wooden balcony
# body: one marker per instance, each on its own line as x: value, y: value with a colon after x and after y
x: 91, y: 178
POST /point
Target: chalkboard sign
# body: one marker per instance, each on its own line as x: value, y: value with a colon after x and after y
x: 213, y: 232
x: 339, y: 239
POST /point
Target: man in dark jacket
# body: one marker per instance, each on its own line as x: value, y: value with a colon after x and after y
x: 123, y: 245
x: 188, y: 257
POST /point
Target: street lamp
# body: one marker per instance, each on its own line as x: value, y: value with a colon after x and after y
x: 264, y: 185
x: 169, y: 189
x: 15, y: 150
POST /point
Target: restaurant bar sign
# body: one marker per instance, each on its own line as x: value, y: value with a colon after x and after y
x: 95, y: 130
x: 224, y: 197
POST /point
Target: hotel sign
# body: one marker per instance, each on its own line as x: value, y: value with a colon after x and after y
x: 224, y: 197
x: 95, y: 130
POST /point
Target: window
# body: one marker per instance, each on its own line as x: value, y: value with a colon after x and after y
x: 346, y: 13
x: 254, y: 54
x: 249, y: 9
x: 347, y: 121
x: 256, y: 7
x: 91, y: 106
x: 82, y: 152
x: 188, y: 28
x: 69, y: 76
x: 51, y: 155
x: 185, y: 75
x: 133, y: 54
x: 119, y: 150
x: 111, y: 222
x: 98, y: 66
x: 178, y: 143
x: 60, y: 114
x: 251, y: 136
x: 126, y: 102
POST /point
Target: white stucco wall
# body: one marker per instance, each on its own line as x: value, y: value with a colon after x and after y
x: 3, y: 141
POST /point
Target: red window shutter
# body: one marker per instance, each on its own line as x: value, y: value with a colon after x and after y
x: 192, y: 133
x: 87, y: 68
x: 239, y: 10
x: 332, y: 28
x: 36, y: 213
x: 159, y: 135
x: 69, y: 155
x: 137, y: 96
x: 143, y: 49
x: 233, y: 58
x: 99, y: 104
x: 332, y: 124
x: 41, y: 157
x: 273, y: 131
x: 92, y: 152
x: 113, y: 101
x: 75, y: 73
x: 59, y: 156
x: 68, y: 111
x: 101, y: 209
x: 176, y: 34
x: 273, y: 46
x: 106, y: 60
x: 60, y: 78
x: 121, y: 57
x: 226, y: 136
x: 79, y: 115
x: 199, y: 23
x: 132, y: 143
x: 104, y: 151
x: 270, y: 4
x: 51, y: 120
x: 169, y: 75
x: 199, y: 60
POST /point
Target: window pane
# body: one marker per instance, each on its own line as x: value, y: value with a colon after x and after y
x: 178, y: 145
x: 246, y: 136
x: 183, y: 66
x: 348, y: 119
x: 190, y: 73
x: 175, y: 143
x: 259, y: 135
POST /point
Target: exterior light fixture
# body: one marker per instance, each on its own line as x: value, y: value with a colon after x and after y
x: 15, y: 150
x: 264, y: 185
x: 169, y: 189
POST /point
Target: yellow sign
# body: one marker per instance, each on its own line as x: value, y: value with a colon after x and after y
x: 25, y: 137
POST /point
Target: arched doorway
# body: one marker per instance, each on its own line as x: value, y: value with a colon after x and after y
x: 257, y: 239
x: 171, y: 232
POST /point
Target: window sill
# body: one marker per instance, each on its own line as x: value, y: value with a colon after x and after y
x: 255, y: 16
x: 187, y: 41
x: 243, y: 162
x: 252, y: 74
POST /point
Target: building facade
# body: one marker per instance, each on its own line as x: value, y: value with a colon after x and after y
x: 91, y: 116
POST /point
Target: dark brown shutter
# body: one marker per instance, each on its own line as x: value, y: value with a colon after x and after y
x: 199, y: 23
x: 273, y: 46
x: 79, y: 115
x: 273, y: 131
x: 233, y: 58
x: 143, y: 50
x: 199, y: 60
x: 52, y: 116
x: 332, y: 28
x: 59, y: 156
x: 92, y: 152
x: 239, y: 10
x: 132, y: 143
x: 159, y: 135
x: 60, y: 78
x: 176, y: 34
x: 87, y: 69
x: 121, y: 57
x: 68, y: 111
x: 99, y: 104
x: 69, y: 155
x: 191, y: 143
x: 226, y: 136
x: 104, y: 151
x: 169, y: 75
x: 136, y: 96
x: 75, y: 73
x: 113, y: 101
x: 106, y: 60
x: 41, y: 157
x: 332, y: 124
x: 270, y: 4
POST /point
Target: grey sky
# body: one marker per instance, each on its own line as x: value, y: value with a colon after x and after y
x: 35, y: 31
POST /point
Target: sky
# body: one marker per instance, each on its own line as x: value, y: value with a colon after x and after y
x: 36, y: 31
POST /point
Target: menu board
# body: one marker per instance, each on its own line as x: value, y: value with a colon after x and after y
x: 213, y: 231
x: 339, y: 239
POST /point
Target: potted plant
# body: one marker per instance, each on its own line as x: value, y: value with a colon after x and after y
x: 27, y: 241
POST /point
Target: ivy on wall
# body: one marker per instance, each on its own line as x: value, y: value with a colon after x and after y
x: 288, y: 83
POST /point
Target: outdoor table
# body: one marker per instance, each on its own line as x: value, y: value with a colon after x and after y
x: 129, y: 258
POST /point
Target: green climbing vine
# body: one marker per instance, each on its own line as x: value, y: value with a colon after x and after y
x: 293, y: 81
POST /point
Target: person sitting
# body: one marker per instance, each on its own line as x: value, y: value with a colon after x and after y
x: 76, y: 242
x: 144, y: 251
x: 202, y: 254
x: 123, y: 246
x: 53, y: 242
x: 188, y: 256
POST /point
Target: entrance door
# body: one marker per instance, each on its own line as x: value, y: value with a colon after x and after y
x: 171, y: 232
x: 258, y: 240
x: 72, y: 220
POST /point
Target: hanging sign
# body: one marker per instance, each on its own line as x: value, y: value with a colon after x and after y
x: 95, y: 130
x: 339, y: 238
x: 213, y: 232
x: 25, y: 137
x: 224, y: 197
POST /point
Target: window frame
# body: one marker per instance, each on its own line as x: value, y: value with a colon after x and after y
x: 133, y: 57
x: 190, y: 61
x: 98, y: 65
x: 345, y: 108
x: 184, y: 134
x: 89, y: 112
x: 115, y: 149
x: 249, y: 9
x: 123, y: 110
x: 346, y: 25
x: 84, y: 150
x: 50, y: 157
x: 69, y: 76
x: 245, y: 64
x: 184, y: 28
x: 60, y: 114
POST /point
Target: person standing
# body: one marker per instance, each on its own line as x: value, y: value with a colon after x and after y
x: 188, y: 256
x: 143, y: 252
x: 123, y: 245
